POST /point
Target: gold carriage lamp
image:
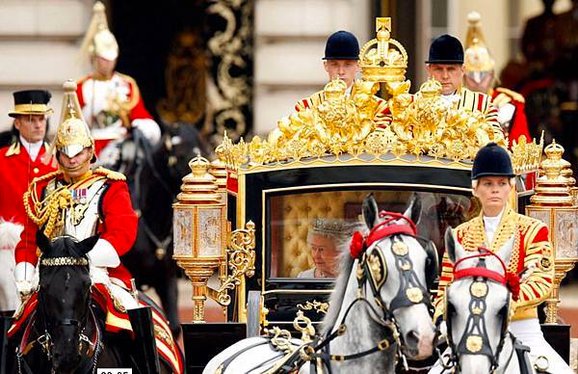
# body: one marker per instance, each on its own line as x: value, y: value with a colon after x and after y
x: 555, y: 205
x: 201, y: 238
x: 198, y: 229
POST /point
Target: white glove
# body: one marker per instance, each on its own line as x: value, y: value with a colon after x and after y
x: 443, y: 332
x: 505, y: 113
x: 149, y: 128
x: 103, y: 254
x: 24, y: 278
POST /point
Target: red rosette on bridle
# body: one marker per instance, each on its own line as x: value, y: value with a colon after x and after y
x: 513, y: 283
x: 357, y: 246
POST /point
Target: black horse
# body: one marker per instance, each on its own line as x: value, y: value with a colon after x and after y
x: 154, y: 177
x: 67, y: 334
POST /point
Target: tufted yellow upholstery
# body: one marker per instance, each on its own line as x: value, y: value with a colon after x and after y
x: 290, y: 251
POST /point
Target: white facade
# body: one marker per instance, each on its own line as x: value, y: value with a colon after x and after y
x: 39, y: 43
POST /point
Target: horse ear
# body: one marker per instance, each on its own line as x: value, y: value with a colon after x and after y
x: 413, y: 211
x: 87, y: 244
x: 42, y: 241
x: 369, y: 210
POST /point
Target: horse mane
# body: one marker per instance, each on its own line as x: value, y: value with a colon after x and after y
x: 337, y: 295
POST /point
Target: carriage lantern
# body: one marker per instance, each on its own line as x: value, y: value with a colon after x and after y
x: 554, y: 204
x: 199, y: 224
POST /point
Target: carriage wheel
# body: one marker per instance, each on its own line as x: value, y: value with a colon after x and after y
x: 254, y: 314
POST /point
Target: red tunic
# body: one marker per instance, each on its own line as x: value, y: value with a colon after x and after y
x: 16, y: 171
x: 519, y: 123
x: 532, y: 255
x: 117, y: 221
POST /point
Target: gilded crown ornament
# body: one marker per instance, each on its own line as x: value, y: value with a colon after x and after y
x: 383, y: 59
x: 552, y: 187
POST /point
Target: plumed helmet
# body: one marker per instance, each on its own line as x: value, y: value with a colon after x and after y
x: 342, y: 45
x: 446, y: 49
x: 72, y: 134
x: 477, y: 57
x: 492, y: 161
x: 31, y: 102
x: 98, y: 40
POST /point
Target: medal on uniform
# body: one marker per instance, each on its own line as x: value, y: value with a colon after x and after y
x: 79, y: 195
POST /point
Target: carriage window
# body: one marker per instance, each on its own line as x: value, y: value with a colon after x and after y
x: 306, y: 230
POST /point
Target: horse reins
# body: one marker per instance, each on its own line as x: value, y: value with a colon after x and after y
x: 470, y: 342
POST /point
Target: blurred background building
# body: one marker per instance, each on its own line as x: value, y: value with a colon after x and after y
x: 232, y: 64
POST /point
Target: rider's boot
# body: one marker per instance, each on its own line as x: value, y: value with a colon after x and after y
x: 145, y: 348
x: 5, y: 322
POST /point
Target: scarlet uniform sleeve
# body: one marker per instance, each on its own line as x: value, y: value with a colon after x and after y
x: 382, y: 116
x: 26, y: 247
x: 119, y: 226
x: 538, y: 275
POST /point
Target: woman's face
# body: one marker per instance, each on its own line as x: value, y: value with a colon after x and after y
x: 325, y: 256
x: 493, y: 193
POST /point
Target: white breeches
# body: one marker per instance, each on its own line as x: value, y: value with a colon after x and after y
x: 530, y: 334
x: 116, y: 287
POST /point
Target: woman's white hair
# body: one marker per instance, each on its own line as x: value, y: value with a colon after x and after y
x: 338, y: 230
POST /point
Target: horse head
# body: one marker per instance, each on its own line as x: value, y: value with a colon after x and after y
x: 478, y: 307
x: 63, y: 299
x: 400, y: 268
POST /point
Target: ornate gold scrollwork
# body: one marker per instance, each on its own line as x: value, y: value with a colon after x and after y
x: 318, y: 306
x: 241, y: 253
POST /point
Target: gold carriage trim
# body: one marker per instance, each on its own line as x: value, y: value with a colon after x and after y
x: 424, y: 129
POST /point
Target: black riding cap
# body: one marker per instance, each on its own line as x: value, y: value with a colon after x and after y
x: 492, y: 161
x: 446, y: 49
x: 342, y: 45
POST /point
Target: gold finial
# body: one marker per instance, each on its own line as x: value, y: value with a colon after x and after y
x: 199, y: 186
x: 552, y: 187
x: 383, y: 59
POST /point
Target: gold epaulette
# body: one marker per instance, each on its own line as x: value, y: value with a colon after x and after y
x: 46, y: 176
x: 112, y: 175
x: 513, y: 94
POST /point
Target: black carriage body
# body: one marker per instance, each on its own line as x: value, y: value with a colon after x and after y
x: 253, y: 196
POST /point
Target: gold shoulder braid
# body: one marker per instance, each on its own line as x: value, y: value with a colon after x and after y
x: 474, y: 235
x: 46, y: 210
x: 112, y: 175
x: 50, y: 210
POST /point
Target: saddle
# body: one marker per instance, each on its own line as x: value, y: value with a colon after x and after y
x: 116, y: 322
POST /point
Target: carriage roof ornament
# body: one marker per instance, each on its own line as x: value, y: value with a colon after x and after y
x: 383, y: 59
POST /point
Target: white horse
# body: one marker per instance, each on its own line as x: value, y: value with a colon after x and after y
x: 9, y: 237
x: 477, y: 314
x: 378, y: 310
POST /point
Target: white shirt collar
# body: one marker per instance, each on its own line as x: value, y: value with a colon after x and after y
x: 491, y: 225
x: 32, y: 148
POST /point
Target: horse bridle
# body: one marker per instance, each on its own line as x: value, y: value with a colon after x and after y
x: 475, y: 340
x: 372, y: 270
x: 93, y: 346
